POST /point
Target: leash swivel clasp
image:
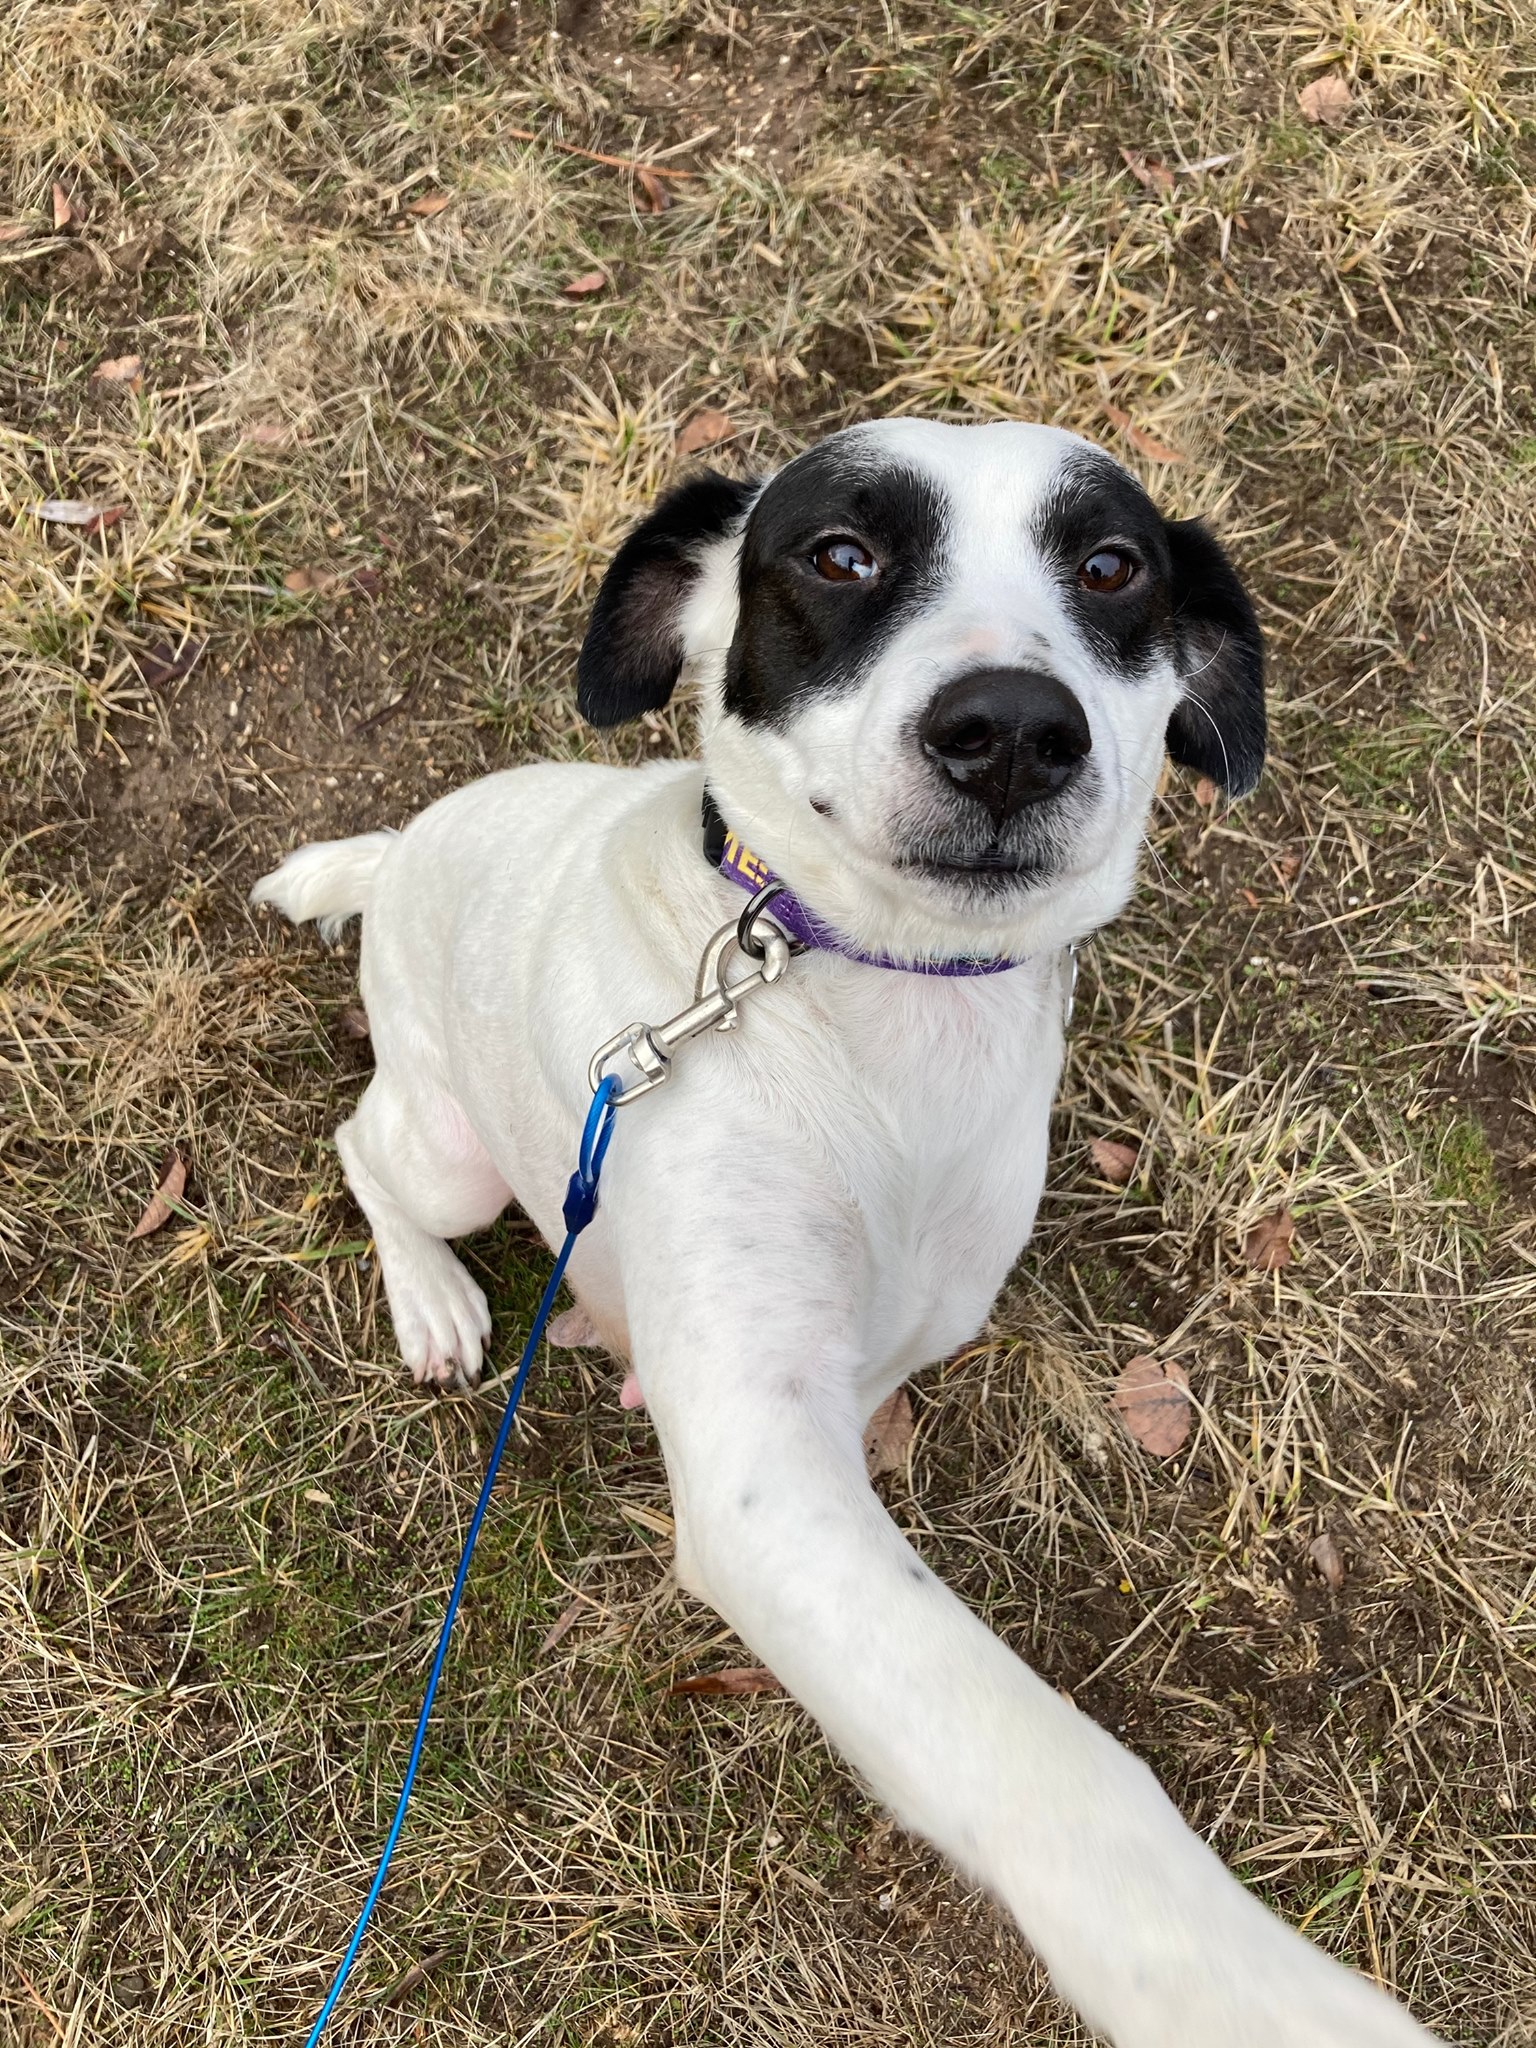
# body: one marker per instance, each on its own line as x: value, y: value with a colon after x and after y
x: 649, y: 1047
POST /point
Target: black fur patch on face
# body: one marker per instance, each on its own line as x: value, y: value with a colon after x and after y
x: 800, y: 636
x: 1097, y: 505
x: 1185, y: 600
x: 630, y: 658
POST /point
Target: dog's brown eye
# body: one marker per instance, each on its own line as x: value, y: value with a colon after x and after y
x: 841, y: 560
x: 1106, y: 569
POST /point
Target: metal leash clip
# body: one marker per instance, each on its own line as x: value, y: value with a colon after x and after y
x: 649, y: 1047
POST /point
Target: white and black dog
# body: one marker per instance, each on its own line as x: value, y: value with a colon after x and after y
x: 939, y: 668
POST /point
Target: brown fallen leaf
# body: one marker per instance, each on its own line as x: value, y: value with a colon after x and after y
x: 165, y: 663
x: 1113, y: 1161
x: 656, y: 196
x: 1250, y: 899
x: 353, y: 1022
x: 430, y: 203
x: 561, y: 1626
x: 160, y: 1207
x: 119, y: 370
x: 583, y: 287
x: 368, y: 580
x: 1267, y: 1247
x: 1206, y: 792
x: 706, y: 429
x: 63, y: 211
x: 740, y: 1678
x: 1150, y: 171
x: 15, y: 230
x: 1287, y: 866
x: 1325, y: 1555
x: 1143, y: 442
x: 1153, y: 1402
x: 888, y: 1433
x: 1326, y: 101
x: 269, y: 434
x: 416, y: 1975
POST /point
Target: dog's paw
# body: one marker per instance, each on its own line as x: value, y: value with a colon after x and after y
x: 442, y: 1321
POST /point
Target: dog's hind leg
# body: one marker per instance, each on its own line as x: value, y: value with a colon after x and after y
x: 421, y: 1175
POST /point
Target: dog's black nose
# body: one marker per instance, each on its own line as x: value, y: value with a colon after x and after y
x: 1006, y: 736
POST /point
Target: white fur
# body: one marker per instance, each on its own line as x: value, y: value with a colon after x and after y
x: 815, y: 1206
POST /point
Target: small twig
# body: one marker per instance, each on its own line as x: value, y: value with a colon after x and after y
x: 596, y: 156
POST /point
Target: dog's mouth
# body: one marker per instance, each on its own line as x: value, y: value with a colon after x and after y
x: 992, y: 868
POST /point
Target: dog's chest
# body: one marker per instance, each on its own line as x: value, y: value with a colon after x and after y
x: 944, y: 1153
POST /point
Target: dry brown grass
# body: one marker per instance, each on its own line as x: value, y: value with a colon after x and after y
x: 226, y: 1526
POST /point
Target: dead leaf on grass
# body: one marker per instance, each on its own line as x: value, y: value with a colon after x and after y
x: 1326, y: 101
x: 888, y: 1433
x: 739, y: 1679
x: 1150, y: 171
x: 561, y: 1626
x: 353, y: 1022
x: 119, y: 370
x: 165, y: 663
x: 1113, y: 1161
x: 269, y: 434
x: 1153, y: 1402
x: 1206, y: 792
x: 1267, y: 1247
x: 430, y: 203
x: 160, y: 1207
x: 1325, y: 1555
x: 1143, y: 442
x: 15, y: 230
x: 656, y: 196
x: 302, y: 582
x: 81, y: 512
x: 63, y: 211
x: 583, y: 287
x: 706, y: 429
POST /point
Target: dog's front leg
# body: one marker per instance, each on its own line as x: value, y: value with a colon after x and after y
x: 1141, y: 1926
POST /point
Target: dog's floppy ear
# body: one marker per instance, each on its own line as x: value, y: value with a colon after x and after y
x: 634, y: 646
x: 1218, y: 727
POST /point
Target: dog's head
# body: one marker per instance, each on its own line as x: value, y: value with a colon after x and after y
x: 940, y: 666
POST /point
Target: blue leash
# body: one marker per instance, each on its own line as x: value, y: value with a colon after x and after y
x: 580, y: 1207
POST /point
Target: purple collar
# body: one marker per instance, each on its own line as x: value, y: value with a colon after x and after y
x: 739, y: 864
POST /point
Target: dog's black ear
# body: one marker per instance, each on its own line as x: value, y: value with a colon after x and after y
x: 634, y: 646
x: 1218, y: 727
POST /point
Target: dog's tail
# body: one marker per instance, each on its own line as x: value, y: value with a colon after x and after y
x: 329, y: 881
